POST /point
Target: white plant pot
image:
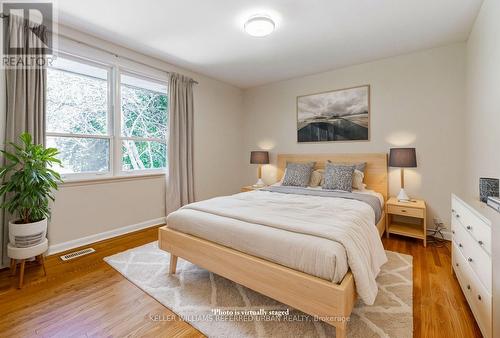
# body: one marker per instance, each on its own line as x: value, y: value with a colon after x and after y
x: 27, y: 235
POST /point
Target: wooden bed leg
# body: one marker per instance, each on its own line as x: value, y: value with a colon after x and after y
x: 173, y: 264
x: 341, y: 331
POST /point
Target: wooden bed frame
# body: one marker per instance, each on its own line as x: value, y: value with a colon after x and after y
x: 320, y: 298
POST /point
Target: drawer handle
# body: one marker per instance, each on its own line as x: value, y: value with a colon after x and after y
x: 452, y: 210
x: 460, y: 245
x: 480, y: 242
x: 468, y: 286
x: 469, y: 227
x: 479, y: 297
x: 457, y: 216
x: 453, y: 231
x: 469, y: 259
x: 456, y: 264
x: 403, y: 210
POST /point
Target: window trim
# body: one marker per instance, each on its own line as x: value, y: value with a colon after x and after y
x: 108, y: 136
x: 87, y: 174
x: 114, y: 123
x: 118, y: 125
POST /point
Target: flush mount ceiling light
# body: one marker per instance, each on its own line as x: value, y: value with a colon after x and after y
x: 259, y: 26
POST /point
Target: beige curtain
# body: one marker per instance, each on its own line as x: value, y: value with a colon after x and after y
x: 26, y: 91
x: 180, y: 179
x: 26, y: 86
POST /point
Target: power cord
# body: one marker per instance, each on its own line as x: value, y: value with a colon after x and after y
x: 435, y: 236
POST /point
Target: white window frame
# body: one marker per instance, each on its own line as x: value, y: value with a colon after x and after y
x: 118, y: 125
x: 114, y: 122
x: 108, y: 136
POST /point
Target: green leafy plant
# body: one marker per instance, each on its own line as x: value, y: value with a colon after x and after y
x: 28, y: 181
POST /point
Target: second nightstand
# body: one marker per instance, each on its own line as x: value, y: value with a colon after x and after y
x: 407, y: 218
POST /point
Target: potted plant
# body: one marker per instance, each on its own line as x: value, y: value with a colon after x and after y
x: 27, y: 185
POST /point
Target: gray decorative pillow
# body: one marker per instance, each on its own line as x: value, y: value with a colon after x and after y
x: 298, y: 174
x: 338, y: 177
x: 361, y: 166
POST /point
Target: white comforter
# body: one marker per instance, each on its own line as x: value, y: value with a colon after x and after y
x: 349, y: 222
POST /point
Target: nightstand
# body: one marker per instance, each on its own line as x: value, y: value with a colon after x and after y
x: 249, y: 188
x: 406, y: 218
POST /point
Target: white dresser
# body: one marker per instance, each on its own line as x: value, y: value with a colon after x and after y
x: 471, y: 259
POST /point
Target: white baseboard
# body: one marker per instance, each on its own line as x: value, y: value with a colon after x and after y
x: 56, y: 248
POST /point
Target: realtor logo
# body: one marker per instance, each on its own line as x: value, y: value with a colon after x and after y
x: 28, y: 30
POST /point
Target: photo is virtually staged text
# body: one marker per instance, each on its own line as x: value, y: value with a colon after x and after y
x: 245, y: 315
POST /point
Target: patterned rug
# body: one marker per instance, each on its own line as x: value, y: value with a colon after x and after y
x: 220, y: 308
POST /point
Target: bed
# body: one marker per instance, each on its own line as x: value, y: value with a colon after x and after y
x: 227, y: 237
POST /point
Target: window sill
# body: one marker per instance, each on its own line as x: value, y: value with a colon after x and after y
x: 109, y: 179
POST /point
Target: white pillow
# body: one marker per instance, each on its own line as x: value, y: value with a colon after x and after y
x: 316, y: 178
x: 357, y: 180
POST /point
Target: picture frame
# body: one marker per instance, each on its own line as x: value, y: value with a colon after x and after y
x: 340, y: 115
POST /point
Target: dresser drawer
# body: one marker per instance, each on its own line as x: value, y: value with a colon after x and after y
x: 476, y: 257
x: 460, y: 237
x: 405, y: 211
x: 478, y: 298
x: 479, y: 230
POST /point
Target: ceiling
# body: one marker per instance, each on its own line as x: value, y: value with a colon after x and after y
x: 206, y: 36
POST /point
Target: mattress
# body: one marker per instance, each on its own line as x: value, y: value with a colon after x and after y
x: 308, y: 253
x: 313, y: 255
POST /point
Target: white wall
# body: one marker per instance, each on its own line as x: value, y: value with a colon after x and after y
x: 482, y: 118
x: 482, y: 121
x: 416, y: 100
x: 86, y: 210
x: 83, y: 210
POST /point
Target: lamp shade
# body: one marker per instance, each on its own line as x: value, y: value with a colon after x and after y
x: 259, y: 157
x: 402, y: 158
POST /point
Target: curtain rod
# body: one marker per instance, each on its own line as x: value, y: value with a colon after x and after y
x: 2, y: 15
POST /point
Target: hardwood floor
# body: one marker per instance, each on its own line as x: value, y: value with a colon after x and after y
x: 86, y: 297
x: 439, y: 306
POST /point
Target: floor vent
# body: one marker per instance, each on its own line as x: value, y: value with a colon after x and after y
x: 76, y: 254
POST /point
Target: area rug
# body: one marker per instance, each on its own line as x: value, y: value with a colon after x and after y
x: 220, y: 308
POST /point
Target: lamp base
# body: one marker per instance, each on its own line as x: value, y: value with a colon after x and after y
x: 260, y: 183
x: 403, y: 196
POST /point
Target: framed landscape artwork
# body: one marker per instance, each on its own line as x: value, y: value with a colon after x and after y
x: 338, y: 115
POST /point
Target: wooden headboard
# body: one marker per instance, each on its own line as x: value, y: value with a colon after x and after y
x: 375, y: 172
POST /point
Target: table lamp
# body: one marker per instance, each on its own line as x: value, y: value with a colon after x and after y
x: 403, y: 158
x: 260, y: 158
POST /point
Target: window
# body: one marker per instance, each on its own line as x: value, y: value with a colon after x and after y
x: 77, y: 116
x: 143, y: 123
x: 94, y: 135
